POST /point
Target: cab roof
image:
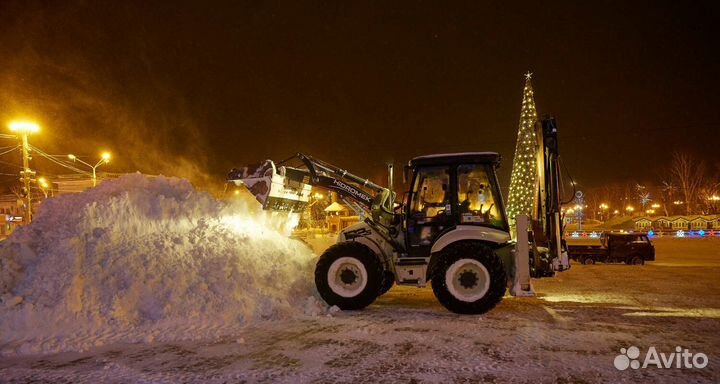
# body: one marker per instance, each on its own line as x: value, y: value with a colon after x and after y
x: 457, y: 158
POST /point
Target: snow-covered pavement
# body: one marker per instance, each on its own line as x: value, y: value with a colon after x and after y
x: 571, y: 332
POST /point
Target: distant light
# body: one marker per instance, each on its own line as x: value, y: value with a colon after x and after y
x: 106, y: 156
x: 714, y: 198
x: 701, y: 232
x: 237, y: 191
x: 23, y: 126
x: 656, y: 205
x: 651, y: 233
x: 680, y: 233
x: 72, y: 157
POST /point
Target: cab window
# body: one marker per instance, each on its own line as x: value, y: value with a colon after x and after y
x: 478, y: 197
x: 430, y: 192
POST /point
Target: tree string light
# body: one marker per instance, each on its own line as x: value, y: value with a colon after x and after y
x: 524, y: 172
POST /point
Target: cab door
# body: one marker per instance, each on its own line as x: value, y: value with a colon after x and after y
x: 430, y: 211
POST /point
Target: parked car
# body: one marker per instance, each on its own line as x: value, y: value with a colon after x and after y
x: 628, y: 248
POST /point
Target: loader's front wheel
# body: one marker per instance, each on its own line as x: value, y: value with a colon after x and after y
x: 387, y: 282
x: 349, y: 275
x: 471, y: 278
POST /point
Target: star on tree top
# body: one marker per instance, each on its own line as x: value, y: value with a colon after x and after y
x: 528, y: 75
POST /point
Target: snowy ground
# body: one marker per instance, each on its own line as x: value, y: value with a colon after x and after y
x: 571, y: 332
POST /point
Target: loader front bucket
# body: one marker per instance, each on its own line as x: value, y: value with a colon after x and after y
x: 278, y: 189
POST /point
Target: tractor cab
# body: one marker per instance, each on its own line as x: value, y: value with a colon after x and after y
x: 448, y: 192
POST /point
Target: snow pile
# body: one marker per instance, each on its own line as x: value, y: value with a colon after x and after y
x: 145, y: 257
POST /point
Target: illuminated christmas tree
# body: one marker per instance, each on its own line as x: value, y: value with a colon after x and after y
x: 524, y: 172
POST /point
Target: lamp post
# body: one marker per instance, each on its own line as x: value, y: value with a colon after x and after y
x: 44, y: 186
x: 603, y: 210
x: 25, y: 128
x: 104, y: 159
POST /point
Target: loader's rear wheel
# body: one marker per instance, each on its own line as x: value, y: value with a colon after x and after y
x: 471, y: 278
x: 349, y: 275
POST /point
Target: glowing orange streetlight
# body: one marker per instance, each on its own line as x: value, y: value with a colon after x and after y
x: 25, y: 128
x: 104, y: 159
x: 44, y: 186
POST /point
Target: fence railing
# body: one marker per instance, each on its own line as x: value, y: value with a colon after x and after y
x: 690, y: 233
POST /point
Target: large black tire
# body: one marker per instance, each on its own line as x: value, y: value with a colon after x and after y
x: 476, y: 290
x: 350, y: 287
x: 387, y: 282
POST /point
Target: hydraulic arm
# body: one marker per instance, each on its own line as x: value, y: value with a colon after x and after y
x: 288, y: 188
x: 548, y: 232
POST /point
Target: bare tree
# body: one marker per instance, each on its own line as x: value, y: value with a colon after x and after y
x: 592, y: 201
x: 688, y: 174
x: 708, y: 197
x: 667, y: 195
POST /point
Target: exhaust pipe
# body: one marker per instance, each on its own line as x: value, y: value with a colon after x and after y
x: 390, y: 175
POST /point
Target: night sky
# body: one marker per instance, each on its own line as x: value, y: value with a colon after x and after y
x: 195, y: 89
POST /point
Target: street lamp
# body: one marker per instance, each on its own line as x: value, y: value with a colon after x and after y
x: 104, y: 159
x: 44, y: 186
x: 603, y: 209
x: 25, y: 128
